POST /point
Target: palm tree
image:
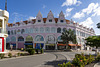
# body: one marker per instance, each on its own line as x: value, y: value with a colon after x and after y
x: 68, y: 36
x: 98, y: 25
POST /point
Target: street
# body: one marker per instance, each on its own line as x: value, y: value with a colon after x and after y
x: 48, y: 59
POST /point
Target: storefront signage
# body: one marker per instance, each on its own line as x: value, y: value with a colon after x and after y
x: 2, y: 44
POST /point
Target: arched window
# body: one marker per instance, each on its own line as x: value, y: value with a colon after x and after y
x: 36, y: 30
x: 26, y: 30
x: 7, y: 39
x: 29, y: 38
x: 59, y: 38
x: 31, y: 30
x: 59, y: 30
x: 13, y: 39
x: 12, y: 32
x: 18, y: 31
x: 39, y: 38
x: 22, y: 31
x: 53, y: 30
x: 8, y: 32
x: 50, y: 39
x: 20, y: 38
x: 47, y: 30
x: 41, y: 30
x: 64, y: 29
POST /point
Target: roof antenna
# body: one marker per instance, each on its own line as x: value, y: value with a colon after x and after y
x: 6, y: 5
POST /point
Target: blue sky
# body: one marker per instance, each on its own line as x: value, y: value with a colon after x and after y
x: 86, y: 12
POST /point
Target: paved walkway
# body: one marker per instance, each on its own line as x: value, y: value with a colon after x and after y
x: 97, y: 64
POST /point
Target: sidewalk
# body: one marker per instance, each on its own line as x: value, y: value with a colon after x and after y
x: 97, y: 64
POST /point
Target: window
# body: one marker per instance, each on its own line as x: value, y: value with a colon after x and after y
x: 22, y: 31
x: 61, y: 21
x: 0, y: 23
x: 50, y: 20
x: 20, y: 38
x: 39, y: 20
x: 12, y: 32
x: 53, y: 30
x: 8, y: 32
x: 13, y: 24
x: 36, y: 30
x: 18, y: 31
x: 41, y: 30
x: 39, y: 38
x: 64, y: 29
x: 13, y: 39
x: 47, y: 29
x: 58, y: 30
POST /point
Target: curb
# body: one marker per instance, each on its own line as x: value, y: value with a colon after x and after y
x: 97, y: 64
x: 19, y: 57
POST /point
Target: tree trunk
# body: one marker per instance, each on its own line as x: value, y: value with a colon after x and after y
x: 67, y: 45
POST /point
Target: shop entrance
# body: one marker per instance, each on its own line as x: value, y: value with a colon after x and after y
x: 50, y: 46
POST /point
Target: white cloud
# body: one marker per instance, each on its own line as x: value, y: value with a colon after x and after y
x: 88, y: 22
x: 17, y: 17
x: 93, y: 8
x: 71, y: 2
x: 96, y: 12
x: 68, y: 10
x: 30, y: 18
x: 79, y: 15
x: 90, y: 8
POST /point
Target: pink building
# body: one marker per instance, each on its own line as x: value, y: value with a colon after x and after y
x: 45, y: 32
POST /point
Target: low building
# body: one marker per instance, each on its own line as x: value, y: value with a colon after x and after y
x: 45, y: 32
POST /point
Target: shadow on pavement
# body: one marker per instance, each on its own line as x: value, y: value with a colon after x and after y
x: 54, y: 63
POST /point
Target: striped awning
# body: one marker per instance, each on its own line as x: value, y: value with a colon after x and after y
x: 61, y: 44
x: 72, y: 45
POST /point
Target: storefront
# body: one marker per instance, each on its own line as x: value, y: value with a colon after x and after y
x: 28, y: 42
x: 50, y: 46
x: 39, y: 45
x: 50, y: 42
x: 28, y: 45
x: 61, y: 46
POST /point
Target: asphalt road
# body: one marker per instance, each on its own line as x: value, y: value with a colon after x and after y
x: 49, y: 59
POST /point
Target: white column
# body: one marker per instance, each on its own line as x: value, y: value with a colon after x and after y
x: 44, y: 46
x: 4, y: 44
x: 16, y: 43
x: 3, y: 25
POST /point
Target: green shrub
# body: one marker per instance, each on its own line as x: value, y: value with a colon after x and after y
x: 90, y: 58
x: 80, y: 60
x: 18, y: 54
x: 98, y: 58
x: 65, y: 65
x: 37, y: 51
x: 42, y: 51
x: 10, y: 55
x: 31, y: 51
x: 22, y: 54
x: 2, y: 56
